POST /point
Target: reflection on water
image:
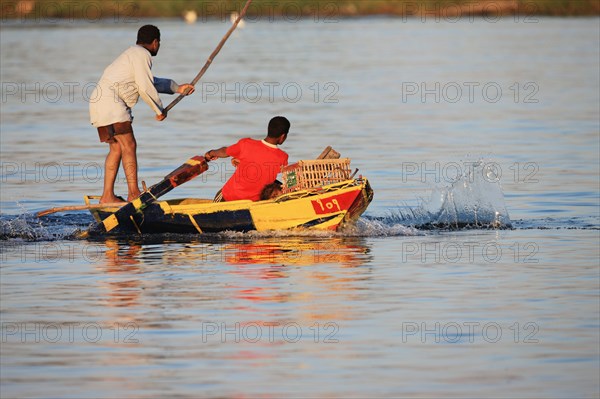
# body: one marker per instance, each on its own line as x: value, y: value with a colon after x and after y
x: 347, y: 252
x: 122, y: 266
x: 262, y: 270
x: 333, y: 312
x: 255, y: 265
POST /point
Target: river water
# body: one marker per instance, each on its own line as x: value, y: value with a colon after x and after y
x: 481, y: 121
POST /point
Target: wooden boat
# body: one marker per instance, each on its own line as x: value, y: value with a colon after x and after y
x: 326, y: 207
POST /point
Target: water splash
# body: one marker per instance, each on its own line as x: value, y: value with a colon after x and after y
x: 375, y: 227
x: 364, y: 227
x: 474, y: 200
x: 28, y: 227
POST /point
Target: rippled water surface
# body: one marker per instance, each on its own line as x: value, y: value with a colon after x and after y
x: 447, y: 120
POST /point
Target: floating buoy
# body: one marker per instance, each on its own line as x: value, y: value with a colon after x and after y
x: 190, y: 16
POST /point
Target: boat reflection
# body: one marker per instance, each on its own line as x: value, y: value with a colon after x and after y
x: 303, y: 273
x: 307, y: 274
x: 122, y: 267
x: 346, y: 252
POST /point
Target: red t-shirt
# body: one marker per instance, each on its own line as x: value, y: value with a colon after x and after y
x: 260, y: 162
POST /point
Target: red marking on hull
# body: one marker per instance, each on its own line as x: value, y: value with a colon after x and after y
x: 334, y: 203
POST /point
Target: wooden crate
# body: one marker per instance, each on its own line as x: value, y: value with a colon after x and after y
x: 315, y: 173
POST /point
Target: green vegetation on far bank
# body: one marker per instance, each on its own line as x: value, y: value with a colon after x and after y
x: 292, y: 9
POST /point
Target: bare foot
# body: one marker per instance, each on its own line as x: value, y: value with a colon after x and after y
x: 111, y: 199
x: 133, y: 196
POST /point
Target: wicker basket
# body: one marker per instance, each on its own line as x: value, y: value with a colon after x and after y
x: 315, y: 173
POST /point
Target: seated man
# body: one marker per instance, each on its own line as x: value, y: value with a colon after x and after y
x: 259, y: 162
x: 271, y: 191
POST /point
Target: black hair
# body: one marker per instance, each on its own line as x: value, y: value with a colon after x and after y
x: 147, y: 34
x: 271, y: 190
x: 278, y: 126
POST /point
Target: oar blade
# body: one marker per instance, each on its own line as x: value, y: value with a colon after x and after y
x: 189, y: 170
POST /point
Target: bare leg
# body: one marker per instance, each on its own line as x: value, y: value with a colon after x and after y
x: 129, y: 159
x: 111, y: 168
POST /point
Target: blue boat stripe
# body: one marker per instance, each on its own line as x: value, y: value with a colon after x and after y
x: 240, y: 220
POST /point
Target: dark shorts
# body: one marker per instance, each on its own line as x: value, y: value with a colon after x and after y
x: 107, y: 133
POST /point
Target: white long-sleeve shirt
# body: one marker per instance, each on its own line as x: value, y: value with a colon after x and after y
x: 122, y: 83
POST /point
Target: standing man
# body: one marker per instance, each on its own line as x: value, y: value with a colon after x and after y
x: 119, y: 88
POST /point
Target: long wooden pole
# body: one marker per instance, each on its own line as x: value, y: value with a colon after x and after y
x: 211, y: 57
x: 80, y: 208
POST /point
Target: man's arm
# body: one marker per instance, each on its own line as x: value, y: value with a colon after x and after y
x: 169, y: 86
x: 216, y: 154
x: 165, y: 86
x: 149, y: 93
x: 145, y: 83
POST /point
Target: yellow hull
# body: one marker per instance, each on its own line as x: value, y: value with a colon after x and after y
x: 326, y: 208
